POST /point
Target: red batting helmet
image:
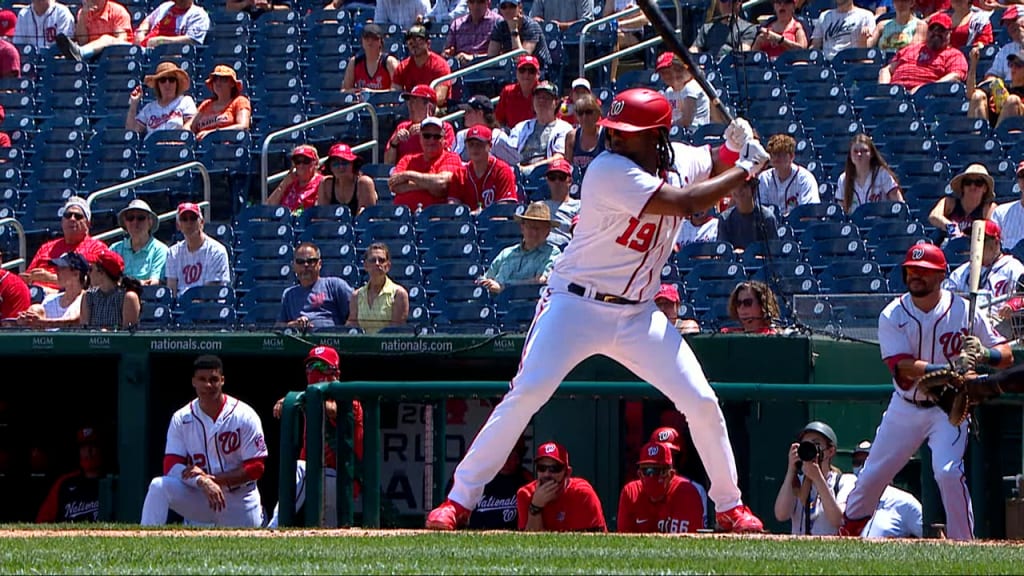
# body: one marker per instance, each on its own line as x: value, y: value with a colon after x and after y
x: 638, y: 109
x: 927, y: 256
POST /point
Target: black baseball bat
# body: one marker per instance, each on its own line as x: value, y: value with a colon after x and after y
x: 668, y: 35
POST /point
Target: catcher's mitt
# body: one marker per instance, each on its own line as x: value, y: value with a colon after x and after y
x: 957, y: 392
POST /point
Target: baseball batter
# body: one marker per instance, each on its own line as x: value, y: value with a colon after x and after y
x: 920, y: 331
x: 600, y: 296
x: 999, y: 272
x: 214, y: 456
x: 659, y: 500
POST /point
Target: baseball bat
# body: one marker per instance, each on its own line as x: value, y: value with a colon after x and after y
x: 974, y: 276
x: 668, y: 35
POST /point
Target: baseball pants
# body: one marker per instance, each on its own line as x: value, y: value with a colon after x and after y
x: 330, y: 495
x: 242, y: 509
x: 568, y: 329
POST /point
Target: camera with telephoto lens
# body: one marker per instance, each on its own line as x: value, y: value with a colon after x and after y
x: 809, y: 452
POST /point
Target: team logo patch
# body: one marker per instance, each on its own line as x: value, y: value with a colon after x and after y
x: 653, y: 451
x: 319, y: 350
x: 616, y: 108
x: 261, y: 444
x: 663, y: 436
x: 917, y: 253
x: 229, y: 441
x: 549, y: 449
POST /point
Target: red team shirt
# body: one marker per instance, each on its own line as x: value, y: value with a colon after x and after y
x: 446, y: 162
x: 513, y: 107
x: 916, y: 65
x: 381, y: 80
x: 88, y: 248
x: 498, y: 184
x: 413, y: 145
x: 575, y: 510
x: 682, y: 510
x: 408, y: 74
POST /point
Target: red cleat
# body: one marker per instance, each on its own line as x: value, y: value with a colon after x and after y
x: 853, y: 528
x: 739, y: 519
x: 448, y: 516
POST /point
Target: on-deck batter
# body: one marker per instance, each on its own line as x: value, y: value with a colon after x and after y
x: 599, y: 298
x: 922, y: 330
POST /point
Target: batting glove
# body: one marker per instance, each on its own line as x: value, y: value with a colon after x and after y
x: 738, y: 133
x: 752, y: 158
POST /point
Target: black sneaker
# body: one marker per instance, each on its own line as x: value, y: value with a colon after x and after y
x: 69, y: 48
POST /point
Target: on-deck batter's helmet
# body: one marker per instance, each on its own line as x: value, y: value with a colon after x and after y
x: 821, y: 428
x: 638, y: 109
x: 927, y: 256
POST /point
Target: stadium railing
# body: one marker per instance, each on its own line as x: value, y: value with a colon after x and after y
x: 20, y: 261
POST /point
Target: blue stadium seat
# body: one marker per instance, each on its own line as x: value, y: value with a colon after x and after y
x: 849, y: 269
x: 957, y: 251
x: 714, y: 270
x: 263, y: 213
x: 856, y: 285
x: 385, y: 231
x: 444, y: 251
x: 318, y: 232
x: 819, y: 231
x: 337, y: 214
x: 518, y: 317
x: 447, y: 230
x: 379, y: 213
x: 198, y: 295
x: 452, y: 272
x: 154, y: 316
x: 260, y: 274
x: 825, y: 252
x: 262, y: 315
x: 802, y: 216
x: 347, y: 271
x: 208, y: 316
x: 883, y: 230
x: 263, y: 294
x: 248, y: 232
x: 867, y: 215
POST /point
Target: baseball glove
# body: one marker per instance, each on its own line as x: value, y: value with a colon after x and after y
x: 957, y: 392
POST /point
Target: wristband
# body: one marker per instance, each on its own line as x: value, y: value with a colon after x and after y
x: 727, y: 155
x: 534, y: 510
x: 934, y: 367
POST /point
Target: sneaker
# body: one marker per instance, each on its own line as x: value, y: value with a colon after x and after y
x: 447, y: 516
x: 69, y: 48
x: 853, y: 528
x: 739, y: 519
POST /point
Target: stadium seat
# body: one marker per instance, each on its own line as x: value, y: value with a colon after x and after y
x: 802, y: 216
x: 206, y: 295
x: 444, y: 251
x: 326, y: 231
x: 154, y: 316
x: 207, y: 316
x: 261, y: 315
x: 825, y: 252
x: 518, y: 317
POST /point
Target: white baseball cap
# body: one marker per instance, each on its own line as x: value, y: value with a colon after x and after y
x: 431, y: 121
x: 581, y: 83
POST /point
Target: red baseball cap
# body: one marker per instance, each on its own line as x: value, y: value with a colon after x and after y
x: 324, y: 353
x: 307, y: 151
x: 528, y: 61
x: 666, y: 435
x: 665, y: 60
x: 655, y: 453
x: 1010, y: 13
x: 342, y: 151
x: 992, y: 229
x: 940, y: 19
x: 189, y: 207
x: 421, y: 91
x: 111, y: 262
x: 669, y: 292
x: 8, y: 20
x: 87, y: 436
x: 554, y: 451
x: 560, y: 165
x: 479, y: 132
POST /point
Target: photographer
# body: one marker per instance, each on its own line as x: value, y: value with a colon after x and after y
x: 813, y: 495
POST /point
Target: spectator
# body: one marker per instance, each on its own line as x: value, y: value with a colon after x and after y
x: 1013, y: 20
x: 700, y: 226
x: 299, y: 188
x: 973, y: 197
x: 898, y: 514
x: 782, y: 33
x: 515, y: 103
x: 484, y: 179
x: 1001, y: 271
x: 373, y: 69
x: 540, y: 140
x: 928, y: 8
x: 629, y: 30
x: 5, y: 140
x: 197, y: 260
x: 61, y: 308
x: 690, y: 105
x: 725, y: 32
x: 497, y: 509
x: 561, y: 206
x: 380, y: 302
x: 933, y: 61
x: 567, y: 110
x: 902, y: 30
x: 870, y: 178
x: 174, y: 22
x: 556, y: 501
x: 422, y: 66
x: 113, y: 300
x: 745, y: 222
x: 667, y: 300
x: 786, y: 184
x: 15, y: 296
x: 420, y: 180
x: 227, y: 110
x: 316, y: 301
x: 1010, y: 215
x: 442, y: 11
x: 659, y: 500
x: 100, y: 23
x: 813, y: 494
x: 753, y: 305
x: 75, y: 496
x: 971, y: 26
x: 76, y: 217
x: 842, y: 27
x: 999, y: 100
x: 528, y: 262
x: 562, y: 12
x: 514, y: 31
x: 469, y: 36
x: 41, y: 21
x: 422, y: 102
x: 405, y: 13
x: 479, y: 111
x: 10, y: 57
x: 255, y: 8
x: 172, y: 109
x: 345, y: 184
x: 587, y: 141
x: 144, y: 256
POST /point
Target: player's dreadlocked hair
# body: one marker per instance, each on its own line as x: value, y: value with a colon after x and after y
x: 666, y: 155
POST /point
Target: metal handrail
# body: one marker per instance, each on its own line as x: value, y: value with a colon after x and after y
x: 264, y: 163
x: 462, y: 112
x: 168, y: 172
x: 627, y: 12
x: 20, y: 261
x: 278, y: 176
x: 171, y: 215
x: 620, y: 53
x: 477, y: 66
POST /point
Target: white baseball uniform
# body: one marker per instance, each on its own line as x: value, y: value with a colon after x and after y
x: 706, y: 232
x: 216, y: 446
x: 898, y: 516
x: 800, y: 188
x: 1010, y: 217
x: 905, y: 331
x: 617, y: 251
x: 997, y: 280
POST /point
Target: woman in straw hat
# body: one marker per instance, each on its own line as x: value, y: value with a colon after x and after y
x: 973, y: 198
x: 144, y: 256
x: 172, y: 109
x: 529, y: 261
x: 228, y: 109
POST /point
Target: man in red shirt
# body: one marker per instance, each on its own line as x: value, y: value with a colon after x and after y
x: 555, y: 501
x: 420, y: 180
x: 515, y: 103
x: 485, y: 179
x: 14, y: 295
x: 100, y: 23
x: 75, y: 219
x: 422, y: 66
x: 933, y: 61
x: 422, y: 102
x: 659, y: 501
x: 10, y: 57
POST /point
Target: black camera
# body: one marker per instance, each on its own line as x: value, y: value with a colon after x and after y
x: 808, y: 451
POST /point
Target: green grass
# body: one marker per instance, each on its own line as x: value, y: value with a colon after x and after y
x: 476, y: 553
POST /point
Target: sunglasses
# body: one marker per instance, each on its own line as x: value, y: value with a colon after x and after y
x: 530, y: 71
x: 306, y: 261
x: 188, y: 218
x: 339, y: 163
x: 375, y: 260
x: 974, y: 182
x: 319, y: 366
x: 135, y: 218
x: 553, y: 468
x: 431, y: 135
x: 301, y: 160
x: 649, y: 471
x: 168, y: 80
x: 74, y: 216
x: 556, y: 176
x: 746, y: 302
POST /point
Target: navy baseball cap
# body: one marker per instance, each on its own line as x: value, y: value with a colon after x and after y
x: 72, y: 260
